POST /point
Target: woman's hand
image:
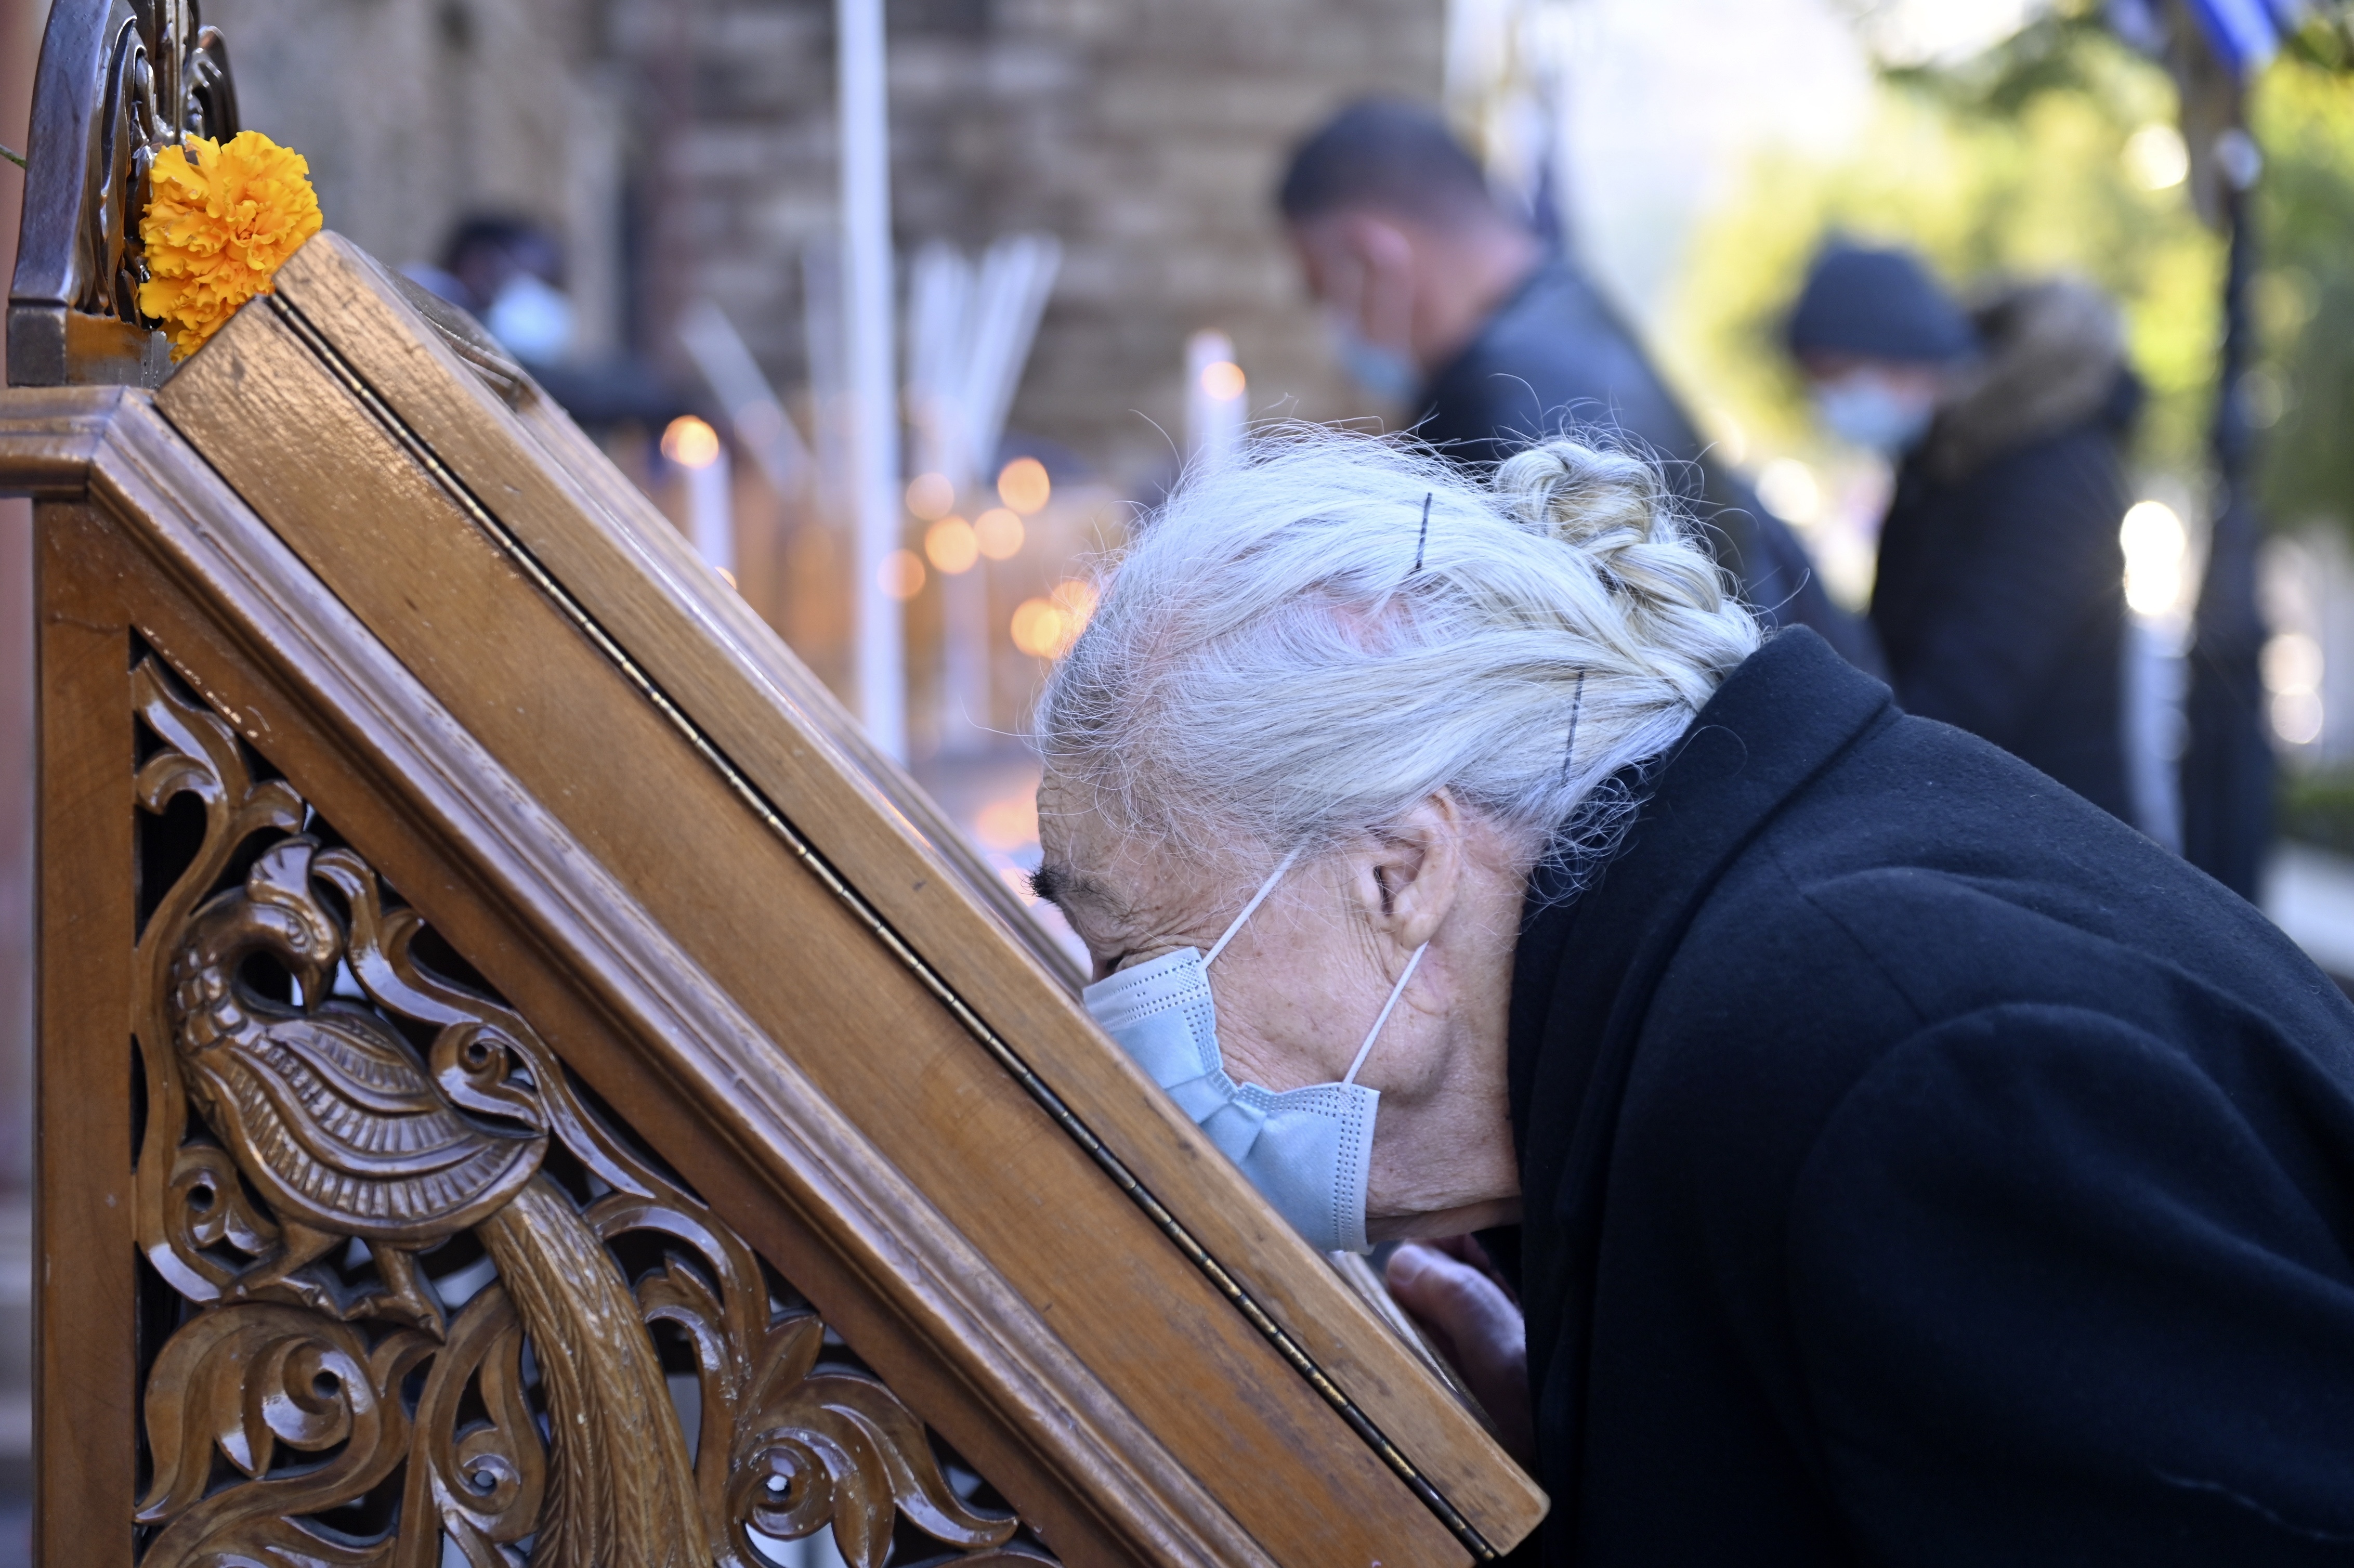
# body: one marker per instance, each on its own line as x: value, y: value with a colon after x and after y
x: 1478, y: 1328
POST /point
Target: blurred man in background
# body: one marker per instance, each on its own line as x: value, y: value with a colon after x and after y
x: 1999, y: 599
x: 1446, y: 301
x: 508, y: 272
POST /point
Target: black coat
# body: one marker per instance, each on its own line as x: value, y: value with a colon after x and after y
x: 1556, y: 354
x: 2000, y: 601
x: 1922, y: 1167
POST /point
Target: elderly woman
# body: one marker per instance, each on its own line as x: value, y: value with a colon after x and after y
x: 1898, y: 1159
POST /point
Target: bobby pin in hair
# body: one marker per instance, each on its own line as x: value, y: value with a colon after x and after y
x: 1576, y: 706
x: 1423, y: 537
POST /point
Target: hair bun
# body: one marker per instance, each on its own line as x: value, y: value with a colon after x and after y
x: 1616, y: 509
x: 1583, y: 495
x: 1264, y: 669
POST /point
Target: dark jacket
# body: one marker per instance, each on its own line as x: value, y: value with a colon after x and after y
x: 1999, y: 600
x: 1921, y: 1167
x: 1555, y: 354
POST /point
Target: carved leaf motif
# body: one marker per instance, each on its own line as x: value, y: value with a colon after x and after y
x: 331, y: 1112
x: 484, y: 1482
x: 804, y: 1448
x: 189, y: 1202
x: 209, y: 1206
x: 486, y: 1056
x: 838, y: 1447
x: 349, y: 1132
x: 241, y: 1380
x: 167, y: 75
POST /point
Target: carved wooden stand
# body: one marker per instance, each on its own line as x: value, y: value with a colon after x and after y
x: 519, y: 1074
x: 312, y: 1217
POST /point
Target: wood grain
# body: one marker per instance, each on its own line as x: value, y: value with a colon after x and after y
x: 253, y: 630
x: 599, y: 870
x: 519, y: 678
x: 640, y: 579
x: 327, y: 1123
x: 85, y: 1367
x: 48, y: 435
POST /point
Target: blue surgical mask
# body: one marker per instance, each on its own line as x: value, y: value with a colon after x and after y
x: 531, y: 319
x: 1308, y: 1150
x: 1383, y: 373
x: 1862, y: 408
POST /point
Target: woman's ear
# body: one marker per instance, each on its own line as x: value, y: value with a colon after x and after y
x: 1407, y: 881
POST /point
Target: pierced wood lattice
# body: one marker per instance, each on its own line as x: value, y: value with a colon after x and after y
x: 412, y: 1283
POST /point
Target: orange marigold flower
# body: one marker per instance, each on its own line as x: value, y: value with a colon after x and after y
x: 219, y: 223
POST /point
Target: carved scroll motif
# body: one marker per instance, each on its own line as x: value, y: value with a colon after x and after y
x: 402, y: 1239
x: 167, y: 77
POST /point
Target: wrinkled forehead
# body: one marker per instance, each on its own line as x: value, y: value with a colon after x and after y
x: 1115, y: 883
x: 1084, y: 857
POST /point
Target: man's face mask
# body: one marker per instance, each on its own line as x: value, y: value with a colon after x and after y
x: 532, y: 319
x: 1863, y: 408
x: 1383, y: 373
x: 1308, y: 1150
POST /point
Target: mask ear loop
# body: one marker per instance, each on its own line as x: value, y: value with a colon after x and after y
x: 1396, y: 992
x: 1256, y: 899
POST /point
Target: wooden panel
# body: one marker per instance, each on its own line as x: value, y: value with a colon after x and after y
x: 513, y: 672
x: 638, y: 579
x: 50, y: 435
x: 609, y: 494
x: 86, y: 1374
x: 269, y: 1113
x: 630, y: 1012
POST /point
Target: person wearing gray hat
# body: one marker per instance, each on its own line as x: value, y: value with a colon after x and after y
x: 1999, y: 597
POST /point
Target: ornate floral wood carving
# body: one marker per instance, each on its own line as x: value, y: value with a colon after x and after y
x: 167, y: 77
x: 113, y: 90
x: 419, y: 1282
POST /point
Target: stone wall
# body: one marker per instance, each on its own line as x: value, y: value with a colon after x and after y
x: 414, y: 113
x: 688, y: 147
x: 1148, y: 136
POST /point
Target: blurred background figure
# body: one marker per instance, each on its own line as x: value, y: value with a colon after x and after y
x: 1446, y: 301
x: 509, y: 272
x: 1999, y: 597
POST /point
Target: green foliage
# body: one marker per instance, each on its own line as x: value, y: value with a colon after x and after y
x: 2045, y: 56
x: 2327, y: 38
x: 2304, y: 297
x: 2013, y: 164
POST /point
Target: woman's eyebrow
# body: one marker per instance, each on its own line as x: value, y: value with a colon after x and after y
x: 1060, y: 886
x: 1050, y: 882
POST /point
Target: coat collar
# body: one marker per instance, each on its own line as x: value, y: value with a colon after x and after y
x: 1778, y: 718
x: 1584, y: 971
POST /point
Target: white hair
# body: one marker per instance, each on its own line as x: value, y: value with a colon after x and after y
x: 1309, y: 640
